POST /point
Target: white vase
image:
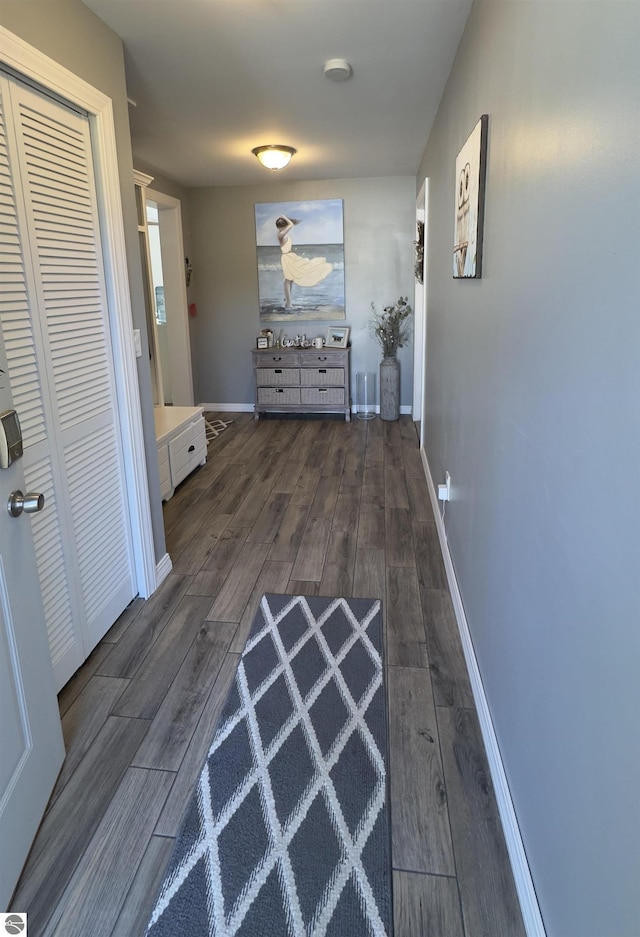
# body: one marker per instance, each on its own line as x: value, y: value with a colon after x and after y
x: 389, y: 389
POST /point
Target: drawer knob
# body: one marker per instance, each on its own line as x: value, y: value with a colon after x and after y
x: 279, y: 390
x: 191, y: 448
x: 322, y: 370
x: 278, y: 370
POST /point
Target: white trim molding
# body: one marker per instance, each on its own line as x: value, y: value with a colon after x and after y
x: 163, y: 568
x: 227, y: 407
x: 250, y: 407
x: 403, y: 409
x: 34, y: 65
x: 142, y: 179
x: 521, y: 872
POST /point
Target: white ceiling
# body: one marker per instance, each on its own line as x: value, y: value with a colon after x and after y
x: 214, y: 78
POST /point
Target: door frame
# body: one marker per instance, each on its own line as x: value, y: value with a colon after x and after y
x: 29, y: 62
x: 420, y: 317
x: 175, y: 295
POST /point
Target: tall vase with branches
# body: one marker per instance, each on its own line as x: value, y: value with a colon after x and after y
x: 391, y: 329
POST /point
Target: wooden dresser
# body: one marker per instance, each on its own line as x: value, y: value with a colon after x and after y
x: 182, y: 444
x: 302, y: 380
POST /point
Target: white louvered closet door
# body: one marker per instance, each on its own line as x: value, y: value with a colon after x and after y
x: 56, y: 329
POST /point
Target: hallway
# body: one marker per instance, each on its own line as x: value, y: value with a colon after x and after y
x: 298, y: 507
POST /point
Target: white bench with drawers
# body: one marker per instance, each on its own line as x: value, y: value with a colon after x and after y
x: 182, y: 444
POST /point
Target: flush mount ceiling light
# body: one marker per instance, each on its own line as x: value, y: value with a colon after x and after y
x: 337, y: 69
x: 274, y: 156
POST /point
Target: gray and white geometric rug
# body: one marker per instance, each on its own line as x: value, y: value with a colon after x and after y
x: 287, y: 833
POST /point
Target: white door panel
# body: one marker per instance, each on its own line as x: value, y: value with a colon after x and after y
x: 30, y: 732
x: 56, y: 328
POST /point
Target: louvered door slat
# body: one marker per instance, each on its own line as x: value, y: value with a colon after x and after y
x: 47, y: 125
x: 55, y: 198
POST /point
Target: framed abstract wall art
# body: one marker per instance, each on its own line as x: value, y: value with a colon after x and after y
x: 471, y: 168
x: 300, y: 253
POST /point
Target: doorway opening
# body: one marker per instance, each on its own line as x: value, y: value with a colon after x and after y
x: 163, y: 378
x: 420, y: 313
x: 173, y: 378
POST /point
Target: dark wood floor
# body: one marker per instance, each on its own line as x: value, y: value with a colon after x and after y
x: 300, y: 507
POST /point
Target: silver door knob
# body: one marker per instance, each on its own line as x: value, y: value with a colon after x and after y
x: 30, y: 503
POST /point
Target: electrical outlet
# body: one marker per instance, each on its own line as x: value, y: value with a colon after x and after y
x: 444, y: 491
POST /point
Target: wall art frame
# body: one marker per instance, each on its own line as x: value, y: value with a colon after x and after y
x: 471, y: 171
x: 337, y: 337
x: 300, y: 260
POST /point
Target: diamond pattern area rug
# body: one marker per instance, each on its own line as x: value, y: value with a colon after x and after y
x: 287, y: 833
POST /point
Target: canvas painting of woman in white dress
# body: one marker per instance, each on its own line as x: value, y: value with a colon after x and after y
x: 300, y: 260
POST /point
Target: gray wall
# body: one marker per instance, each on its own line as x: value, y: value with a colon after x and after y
x: 379, y: 221
x: 533, y: 406
x: 70, y: 34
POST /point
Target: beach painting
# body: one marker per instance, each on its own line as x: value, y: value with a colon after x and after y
x: 300, y: 253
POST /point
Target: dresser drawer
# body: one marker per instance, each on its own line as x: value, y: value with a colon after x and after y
x: 320, y: 377
x: 279, y: 396
x: 187, y: 450
x: 324, y: 359
x: 276, y: 359
x: 278, y: 377
x: 322, y: 395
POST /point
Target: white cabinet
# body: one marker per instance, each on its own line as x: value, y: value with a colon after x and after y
x: 182, y: 444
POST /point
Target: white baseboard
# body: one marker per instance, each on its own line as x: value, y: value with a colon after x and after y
x: 515, y: 847
x: 228, y: 407
x: 403, y: 409
x: 163, y: 568
x: 249, y: 408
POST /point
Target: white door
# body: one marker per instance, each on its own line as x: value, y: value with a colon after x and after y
x: 30, y: 733
x: 55, y: 325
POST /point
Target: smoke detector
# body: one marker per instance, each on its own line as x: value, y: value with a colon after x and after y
x: 337, y: 69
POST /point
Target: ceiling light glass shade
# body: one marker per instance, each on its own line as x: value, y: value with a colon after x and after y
x: 274, y: 156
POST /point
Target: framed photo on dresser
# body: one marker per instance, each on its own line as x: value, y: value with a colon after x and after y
x: 337, y: 337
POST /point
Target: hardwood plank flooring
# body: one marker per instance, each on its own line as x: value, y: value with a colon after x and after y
x: 426, y: 905
x: 189, y: 770
x: 311, y: 507
x: 420, y: 834
x: 125, y: 830
x: 406, y: 638
x: 138, y: 904
x: 171, y: 730
x: 476, y: 829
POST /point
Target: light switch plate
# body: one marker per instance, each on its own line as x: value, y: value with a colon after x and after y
x: 137, y: 343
